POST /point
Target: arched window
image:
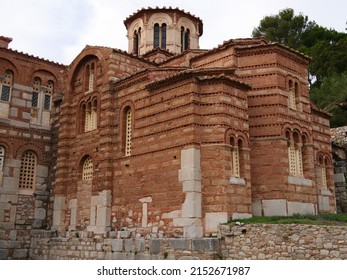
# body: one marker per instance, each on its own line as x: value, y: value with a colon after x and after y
x: 48, y: 96
x: 28, y: 171
x: 93, y: 116
x: 292, y: 97
x: 159, y: 36
x: 295, y: 154
x: 2, y: 157
x: 91, y: 78
x: 156, y: 36
x: 87, y: 169
x: 87, y: 114
x: 6, y: 86
x: 136, y: 42
x: 35, y: 93
x: 185, y: 39
x: 90, y: 115
x: 235, y: 157
x: 323, y: 162
x: 128, y: 131
x: 163, y: 36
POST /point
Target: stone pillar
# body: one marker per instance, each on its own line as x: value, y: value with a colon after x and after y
x: 73, y: 213
x: 100, y: 212
x: 145, y: 202
x: 190, y: 176
x: 59, y: 213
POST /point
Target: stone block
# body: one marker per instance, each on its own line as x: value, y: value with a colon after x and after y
x: 3, y: 254
x: 190, y: 157
x: 9, y: 198
x: 128, y: 245
x: 212, y: 221
x: 20, y: 254
x: 339, y: 178
x: 155, y: 247
x: 300, y: 208
x: 40, y: 213
x: 192, y: 186
x: 237, y: 181
x: 3, y: 244
x: 18, y: 102
x: 117, y: 245
x: 10, y: 183
x: 189, y: 174
x: 14, y: 112
x: 274, y: 207
x: 179, y: 243
x: 139, y: 245
x: 241, y: 216
x: 205, y: 245
x: 19, y: 124
x: 293, y: 180
x: 59, y: 203
x: 191, y: 207
x: 172, y: 215
x: 323, y: 203
x: 42, y: 171
x: 12, y: 235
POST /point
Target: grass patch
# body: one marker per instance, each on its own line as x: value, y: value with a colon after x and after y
x: 321, y: 219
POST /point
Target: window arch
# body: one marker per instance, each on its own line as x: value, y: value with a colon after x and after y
x: 185, y: 39
x: 35, y: 93
x: 137, y: 41
x: 235, y: 156
x: 292, y: 96
x: 2, y: 157
x: 159, y: 35
x: 128, y: 130
x: 295, y: 157
x: 90, y: 115
x: 6, y: 86
x: 323, y: 163
x: 28, y: 171
x: 90, y: 76
x: 87, y: 169
x: 48, y: 95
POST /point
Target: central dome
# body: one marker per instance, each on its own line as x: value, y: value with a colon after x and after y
x: 170, y: 29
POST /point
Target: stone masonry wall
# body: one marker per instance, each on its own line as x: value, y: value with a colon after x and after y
x: 256, y: 241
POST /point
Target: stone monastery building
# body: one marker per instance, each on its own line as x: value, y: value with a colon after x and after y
x: 166, y: 138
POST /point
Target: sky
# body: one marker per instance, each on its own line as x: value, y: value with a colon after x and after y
x: 58, y: 30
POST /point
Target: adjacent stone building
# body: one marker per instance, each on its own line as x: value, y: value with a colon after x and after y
x: 167, y: 138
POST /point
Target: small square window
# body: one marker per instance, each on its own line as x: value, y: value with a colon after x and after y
x: 47, y: 102
x: 34, y: 100
x: 5, y: 93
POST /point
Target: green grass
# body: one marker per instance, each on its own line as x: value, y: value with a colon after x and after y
x: 321, y: 219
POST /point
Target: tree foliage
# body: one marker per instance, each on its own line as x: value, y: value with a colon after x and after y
x: 329, y: 95
x: 326, y: 47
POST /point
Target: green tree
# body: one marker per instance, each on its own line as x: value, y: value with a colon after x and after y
x: 285, y: 28
x: 330, y: 95
x: 326, y: 47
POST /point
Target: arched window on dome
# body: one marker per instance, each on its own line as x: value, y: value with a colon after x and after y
x: 137, y: 41
x: 185, y: 39
x: 159, y: 36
